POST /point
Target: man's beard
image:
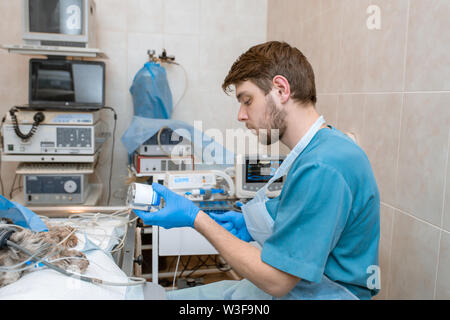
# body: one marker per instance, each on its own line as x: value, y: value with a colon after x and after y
x: 275, y: 124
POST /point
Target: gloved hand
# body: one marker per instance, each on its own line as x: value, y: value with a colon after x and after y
x: 21, y: 215
x: 177, y: 212
x: 234, y: 222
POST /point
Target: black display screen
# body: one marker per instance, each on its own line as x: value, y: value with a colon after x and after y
x: 64, y: 81
x: 261, y: 171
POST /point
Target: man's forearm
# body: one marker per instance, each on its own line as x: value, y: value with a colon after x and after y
x: 244, y: 258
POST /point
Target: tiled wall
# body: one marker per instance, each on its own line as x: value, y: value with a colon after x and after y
x: 205, y: 36
x: 391, y: 87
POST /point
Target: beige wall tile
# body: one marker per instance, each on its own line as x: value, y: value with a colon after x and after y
x: 386, y: 48
x: 307, y: 42
x: 353, y: 62
x: 428, y: 61
x: 422, y: 157
x: 14, y: 79
x: 386, y: 228
x: 329, y: 76
x: 446, y: 217
x: 355, y: 17
x: 443, y: 276
x: 10, y: 29
x: 372, y: 60
x: 295, y: 14
x: 286, y: 19
x: 414, y: 256
x: 380, y: 62
x: 276, y: 28
x: 382, y: 111
x: 327, y: 5
x: 350, y: 116
x: 327, y: 105
x: 305, y: 9
x: 354, y: 46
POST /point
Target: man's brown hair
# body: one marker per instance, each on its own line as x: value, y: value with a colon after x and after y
x: 261, y: 63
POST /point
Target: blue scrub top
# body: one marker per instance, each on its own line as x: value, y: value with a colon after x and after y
x: 327, y: 217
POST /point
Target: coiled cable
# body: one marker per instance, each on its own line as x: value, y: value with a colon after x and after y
x: 38, y: 118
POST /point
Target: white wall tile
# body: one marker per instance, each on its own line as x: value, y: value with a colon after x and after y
x: 111, y: 15
x: 179, y: 22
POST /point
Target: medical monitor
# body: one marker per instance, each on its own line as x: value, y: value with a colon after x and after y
x: 254, y: 171
x: 62, y: 23
x: 66, y: 83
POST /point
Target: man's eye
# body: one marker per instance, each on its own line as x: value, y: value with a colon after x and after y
x: 248, y: 102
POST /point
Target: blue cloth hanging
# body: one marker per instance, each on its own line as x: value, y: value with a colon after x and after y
x: 151, y: 93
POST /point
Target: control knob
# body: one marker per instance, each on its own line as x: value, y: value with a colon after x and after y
x: 70, y: 186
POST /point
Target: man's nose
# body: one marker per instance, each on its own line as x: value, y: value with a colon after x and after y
x: 242, y: 115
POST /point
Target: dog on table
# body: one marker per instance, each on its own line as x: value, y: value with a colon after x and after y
x: 55, y: 244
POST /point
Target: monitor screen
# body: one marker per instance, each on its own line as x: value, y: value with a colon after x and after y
x: 55, y: 16
x: 261, y: 171
x: 66, y: 81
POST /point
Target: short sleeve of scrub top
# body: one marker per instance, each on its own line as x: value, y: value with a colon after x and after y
x: 310, y: 218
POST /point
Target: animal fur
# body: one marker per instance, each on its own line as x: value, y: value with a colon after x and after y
x: 35, y: 241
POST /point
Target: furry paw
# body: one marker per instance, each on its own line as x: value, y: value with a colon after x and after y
x: 79, y: 264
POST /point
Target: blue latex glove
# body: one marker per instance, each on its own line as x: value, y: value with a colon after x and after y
x: 21, y: 215
x: 234, y: 222
x: 177, y: 212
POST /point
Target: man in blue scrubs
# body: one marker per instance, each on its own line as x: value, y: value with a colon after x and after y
x: 320, y: 237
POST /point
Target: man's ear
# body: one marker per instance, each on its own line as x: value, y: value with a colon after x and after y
x: 282, y: 88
